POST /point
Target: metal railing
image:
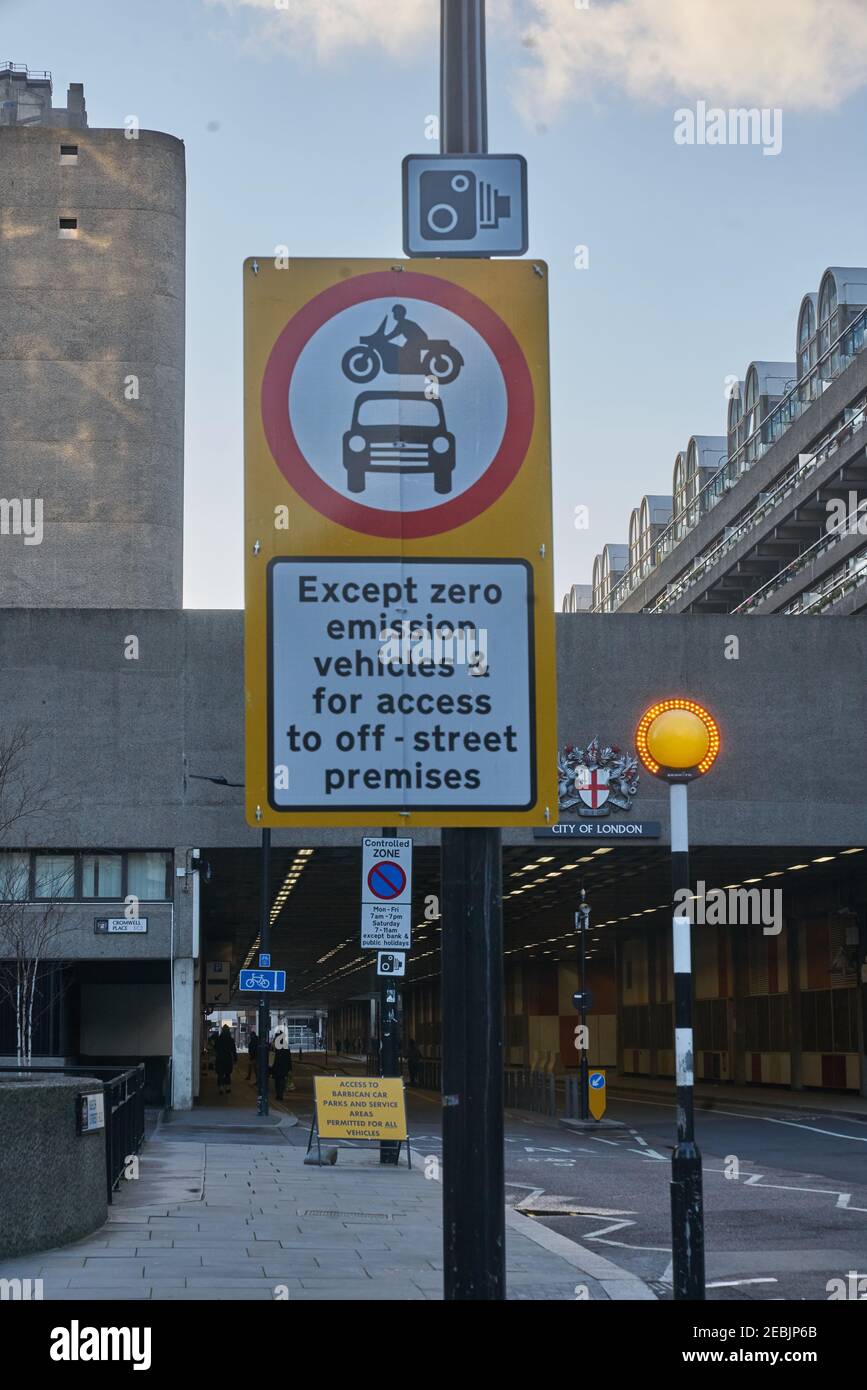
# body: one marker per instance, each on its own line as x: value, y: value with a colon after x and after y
x: 572, y: 1097
x: 33, y: 74
x: 770, y: 429
x: 801, y: 562
x: 764, y: 505
x: 542, y: 1092
x: 123, y: 1094
x: 846, y: 577
x: 430, y: 1074
x: 531, y: 1090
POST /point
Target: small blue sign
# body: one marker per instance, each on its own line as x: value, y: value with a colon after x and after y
x: 265, y: 961
x: 597, y: 1080
x: 263, y: 981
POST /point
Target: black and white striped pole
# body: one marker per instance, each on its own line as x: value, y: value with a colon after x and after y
x: 677, y: 740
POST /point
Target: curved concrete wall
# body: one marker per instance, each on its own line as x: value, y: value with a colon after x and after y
x: 82, y: 316
x: 52, y: 1179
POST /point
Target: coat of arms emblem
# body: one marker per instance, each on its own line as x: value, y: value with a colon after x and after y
x: 597, y: 779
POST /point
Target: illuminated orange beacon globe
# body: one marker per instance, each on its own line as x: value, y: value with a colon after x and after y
x: 677, y: 739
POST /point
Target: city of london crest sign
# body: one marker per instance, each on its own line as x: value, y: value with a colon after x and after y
x: 596, y: 780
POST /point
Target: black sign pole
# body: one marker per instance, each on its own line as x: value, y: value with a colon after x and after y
x: 389, y: 1042
x: 687, y: 1214
x: 264, y: 943
x: 471, y: 886
x: 583, y: 913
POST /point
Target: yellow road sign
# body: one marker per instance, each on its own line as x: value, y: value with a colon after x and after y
x: 597, y: 1092
x: 360, y: 1107
x: 399, y: 590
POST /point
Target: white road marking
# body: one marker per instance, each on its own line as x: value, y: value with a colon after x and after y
x: 597, y: 1140
x: 624, y: 1245
x: 647, y: 1153
x: 757, y: 1180
x: 533, y: 1192
x: 733, y: 1283
x: 769, y: 1119
x: 605, y: 1230
x: 843, y: 1200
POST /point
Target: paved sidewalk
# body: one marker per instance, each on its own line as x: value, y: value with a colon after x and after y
x: 225, y: 1209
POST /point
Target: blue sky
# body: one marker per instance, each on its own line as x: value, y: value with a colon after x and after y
x: 295, y: 127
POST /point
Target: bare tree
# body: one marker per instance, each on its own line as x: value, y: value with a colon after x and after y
x: 31, y: 933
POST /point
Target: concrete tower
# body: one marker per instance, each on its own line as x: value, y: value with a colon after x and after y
x: 92, y: 226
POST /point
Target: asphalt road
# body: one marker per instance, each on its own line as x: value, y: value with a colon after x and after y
x: 785, y: 1191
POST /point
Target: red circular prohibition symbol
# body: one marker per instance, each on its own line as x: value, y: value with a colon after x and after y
x: 386, y: 880
x: 373, y: 521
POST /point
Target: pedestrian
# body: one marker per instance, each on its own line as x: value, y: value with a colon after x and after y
x: 282, y: 1066
x: 252, y: 1053
x: 225, y: 1056
x: 413, y: 1061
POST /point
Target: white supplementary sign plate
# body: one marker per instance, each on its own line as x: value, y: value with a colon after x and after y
x: 451, y: 724
x: 385, y: 927
x: 465, y: 205
x: 386, y: 893
x: 391, y: 963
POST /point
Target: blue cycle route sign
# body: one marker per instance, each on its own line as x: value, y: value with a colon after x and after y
x: 263, y: 981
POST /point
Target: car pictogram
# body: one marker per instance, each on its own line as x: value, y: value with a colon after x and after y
x: 398, y: 432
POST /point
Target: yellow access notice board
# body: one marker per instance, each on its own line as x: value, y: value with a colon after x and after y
x: 360, y: 1107
x: 399, y: 567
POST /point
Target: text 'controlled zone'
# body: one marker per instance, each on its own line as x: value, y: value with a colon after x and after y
x: 410, y: 677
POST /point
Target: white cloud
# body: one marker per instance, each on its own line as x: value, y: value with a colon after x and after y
x: 798, y: 54
x: 330, y: 26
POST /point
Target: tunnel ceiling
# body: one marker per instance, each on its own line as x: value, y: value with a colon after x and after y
x: 315, y: 935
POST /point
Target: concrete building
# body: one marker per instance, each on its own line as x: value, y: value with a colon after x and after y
x: 135, y: 711
x: 92, y: 229
x: 26, y: 100
x: 772, y: 516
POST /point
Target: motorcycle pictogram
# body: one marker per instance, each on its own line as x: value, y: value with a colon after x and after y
x: 415, y: 355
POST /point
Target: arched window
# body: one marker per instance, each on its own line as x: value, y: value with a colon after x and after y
x: 808, y: 349
x: 678, y: 491
x: 691, y: 483
x: 634, y: 538
x: 606, y: 577
x: 597, y: 581
x: 827, y: 312
x: 751, y: 417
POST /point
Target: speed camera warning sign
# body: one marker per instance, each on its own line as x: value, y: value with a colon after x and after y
x: 399, y: 595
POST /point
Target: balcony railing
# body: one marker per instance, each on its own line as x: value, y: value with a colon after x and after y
x: 848, y: 576
x: 765, y: 504
x: 836, y: 359
x: 800, y: 562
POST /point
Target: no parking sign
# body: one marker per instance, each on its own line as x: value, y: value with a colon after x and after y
x: 386, y: 893
x: 399, y: 594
